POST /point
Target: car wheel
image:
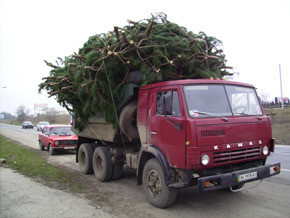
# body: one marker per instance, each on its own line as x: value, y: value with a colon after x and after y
x: 85, y: 156
x: 51, y: 150
x: 102, y: 164
x: 41, y: 146
x: 156, y: 190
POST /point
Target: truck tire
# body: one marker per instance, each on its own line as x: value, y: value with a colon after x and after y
x: 85, y: 156
x: 117, y: 171
x: 156, y: 190
x: 102, y: 164
x: 128, y: 120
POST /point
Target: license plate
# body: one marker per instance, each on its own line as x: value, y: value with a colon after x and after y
x: 247, y: 176
x: 69, y: 148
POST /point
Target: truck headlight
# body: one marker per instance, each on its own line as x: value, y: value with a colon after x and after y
x: 205, y: 159
x: 265, y: 150
x: 56, y: 142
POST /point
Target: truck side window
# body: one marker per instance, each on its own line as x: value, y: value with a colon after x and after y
x: 172, y: 99
x: 175, y: 104
x: 160, y: 102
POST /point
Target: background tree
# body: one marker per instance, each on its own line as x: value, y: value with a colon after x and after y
x: 7, y: 116
x: 264, y: 96
x: 22, y: 113
x: 51, y: 115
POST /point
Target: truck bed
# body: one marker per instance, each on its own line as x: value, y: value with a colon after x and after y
x: 99, y: 129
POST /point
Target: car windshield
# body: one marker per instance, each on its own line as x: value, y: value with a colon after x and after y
x: 27, y: 122
x: 212, y: 100
x: 61, y: 131
x: 43, y: 123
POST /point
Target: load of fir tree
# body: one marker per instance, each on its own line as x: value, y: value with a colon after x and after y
x: 93, y: 79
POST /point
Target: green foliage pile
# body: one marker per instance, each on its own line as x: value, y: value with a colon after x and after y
x: 93, y: 79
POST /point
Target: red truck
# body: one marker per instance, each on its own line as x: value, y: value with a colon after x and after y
x: 208, y: 133
x: 56, y: 138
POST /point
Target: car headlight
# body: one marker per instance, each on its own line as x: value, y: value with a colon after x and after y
x: 205, y: 159
x: 56, y: 142
x: 265, y: 150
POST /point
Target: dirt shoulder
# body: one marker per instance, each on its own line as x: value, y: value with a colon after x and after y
x: 24, y: 197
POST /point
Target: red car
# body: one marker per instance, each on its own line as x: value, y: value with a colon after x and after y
x: 57, y: 137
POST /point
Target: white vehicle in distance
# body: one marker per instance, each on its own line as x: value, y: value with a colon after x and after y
x: 42, y: 124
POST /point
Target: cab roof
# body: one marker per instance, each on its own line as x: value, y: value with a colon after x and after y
x: 195, y: 81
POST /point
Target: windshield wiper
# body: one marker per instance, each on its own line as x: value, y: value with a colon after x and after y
x: 203, y: 113
x: 243, y: 113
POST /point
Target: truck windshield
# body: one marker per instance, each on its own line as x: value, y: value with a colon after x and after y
x: 221, y: 100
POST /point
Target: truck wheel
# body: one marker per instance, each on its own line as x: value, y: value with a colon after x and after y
x: 102, y: 164
x: 85, y: 156
x: 41, y: 146
x: 50, y: 149
x: 117, y: 171
x: 128, y: 120
x: 156, y: 190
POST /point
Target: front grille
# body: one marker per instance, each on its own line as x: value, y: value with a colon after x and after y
x: 235, y: 155
x: 68, y: 142
x: 215, y: 132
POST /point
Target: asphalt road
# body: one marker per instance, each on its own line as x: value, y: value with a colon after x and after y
x: 270, y: 199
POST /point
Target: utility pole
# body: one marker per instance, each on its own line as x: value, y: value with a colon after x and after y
x: 282, y: 102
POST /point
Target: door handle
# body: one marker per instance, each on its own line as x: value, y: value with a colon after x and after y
x: 153, y: 133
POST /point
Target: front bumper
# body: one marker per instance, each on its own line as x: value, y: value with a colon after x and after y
x: 221, y: 181
x: 65, y: 148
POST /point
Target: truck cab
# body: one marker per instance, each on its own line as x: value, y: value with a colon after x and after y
x: 213, y: 133
x: 192, y: 118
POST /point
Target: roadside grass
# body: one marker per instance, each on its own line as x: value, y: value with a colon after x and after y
x: 30, y: 164
x: 280, y: 124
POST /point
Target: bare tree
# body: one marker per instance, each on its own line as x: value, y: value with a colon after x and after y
x: 7, y: 116
x: 22, y: 113
x: 264, y: 96
x: 51, y: 115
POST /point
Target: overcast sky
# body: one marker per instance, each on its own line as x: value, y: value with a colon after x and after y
x: 255, y: 36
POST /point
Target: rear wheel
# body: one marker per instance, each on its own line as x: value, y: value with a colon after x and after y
x: 102, y: 164
x: 85, y: 156
x: 156, y: 190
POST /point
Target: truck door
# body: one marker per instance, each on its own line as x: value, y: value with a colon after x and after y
x: 166, y: 130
